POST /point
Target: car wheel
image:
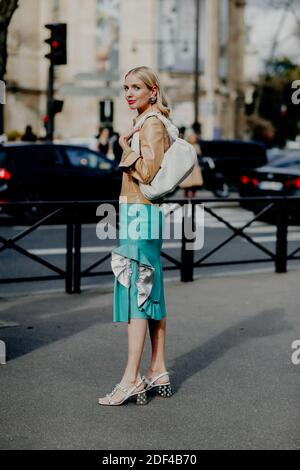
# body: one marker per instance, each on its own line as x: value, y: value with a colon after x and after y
x: 13, y: 212
x: 223, y: 191
x: 33, y: 213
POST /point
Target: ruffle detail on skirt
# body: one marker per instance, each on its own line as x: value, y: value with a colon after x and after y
x: 121, y: 258
x: 152, y: 309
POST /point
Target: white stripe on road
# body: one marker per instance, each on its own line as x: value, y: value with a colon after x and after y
x: 50, y: 227
x: 169, y: 245
x: 90, y: 249
x: 292, y: 237
x: 237, y: 220
x: 235, y: 224
x: 270, y: 228
x: 256, y: 227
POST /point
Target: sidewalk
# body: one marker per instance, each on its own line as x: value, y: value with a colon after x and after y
x: 229, y: 355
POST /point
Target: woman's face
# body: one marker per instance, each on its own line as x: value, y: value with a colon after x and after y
x: 137, y: 93
x: 104, y: 133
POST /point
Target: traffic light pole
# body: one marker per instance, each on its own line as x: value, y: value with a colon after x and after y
x: 196, y: 68
x: 1, y: 119
x: 57, y: 56
x: 50, y: 101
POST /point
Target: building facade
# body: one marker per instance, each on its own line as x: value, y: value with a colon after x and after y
x: 106, y: 38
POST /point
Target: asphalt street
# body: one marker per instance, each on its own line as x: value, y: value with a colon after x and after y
x: 229, y: 352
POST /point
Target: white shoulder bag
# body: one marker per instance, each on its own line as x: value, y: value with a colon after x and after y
x: 178, y: 161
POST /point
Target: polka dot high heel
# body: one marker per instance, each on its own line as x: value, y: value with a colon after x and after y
x: 140, y: 396
x: 163, y: 389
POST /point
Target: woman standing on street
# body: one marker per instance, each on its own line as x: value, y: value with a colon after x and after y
x: 138, y: 288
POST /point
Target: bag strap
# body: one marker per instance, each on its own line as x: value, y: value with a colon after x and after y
x: 140, y: 122
x: 171, y: 128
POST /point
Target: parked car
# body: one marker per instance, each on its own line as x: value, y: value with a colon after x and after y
x: 279, y: 178
x: 50, y: 172
x: 223, y: 161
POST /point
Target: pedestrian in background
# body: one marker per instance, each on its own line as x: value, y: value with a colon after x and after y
x: 181, y: 132
x: 196, y: 127
x: 116, y: 147
x: 194, y: 181
x: 103, y: 140
x: 138, y: 290
x: 28, y: 135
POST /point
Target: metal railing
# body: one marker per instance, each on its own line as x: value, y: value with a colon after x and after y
x: 72, y: 213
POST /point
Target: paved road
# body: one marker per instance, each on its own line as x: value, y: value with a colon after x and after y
x: 228, y: 351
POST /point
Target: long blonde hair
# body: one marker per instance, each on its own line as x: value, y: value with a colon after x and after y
x: 150, y: 78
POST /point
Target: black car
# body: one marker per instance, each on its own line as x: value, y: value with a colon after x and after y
x: 223, y: 161
x: 281, y: 178
x: 53, y: 172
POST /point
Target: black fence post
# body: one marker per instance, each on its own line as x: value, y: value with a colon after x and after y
x: 281, y: 238
x: 77, y: 254
x: 69, y: 255
x: 187, y: 256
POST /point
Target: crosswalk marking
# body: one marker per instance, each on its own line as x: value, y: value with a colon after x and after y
x: 269, y: 228
x: 292, y: 237
x: 236, y: 216
x: 91, y: 249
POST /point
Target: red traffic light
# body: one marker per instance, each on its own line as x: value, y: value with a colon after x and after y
x: 58, y: 43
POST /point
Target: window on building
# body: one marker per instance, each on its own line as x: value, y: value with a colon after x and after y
x: 223, y: 35
x: 176, y: 35
x: 107, y: 34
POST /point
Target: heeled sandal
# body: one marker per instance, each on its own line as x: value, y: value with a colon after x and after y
x: 141, y: 396
x: 164, y: 390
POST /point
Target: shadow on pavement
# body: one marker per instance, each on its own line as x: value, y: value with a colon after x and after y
x: 265, y: 323
x: 45, y: 322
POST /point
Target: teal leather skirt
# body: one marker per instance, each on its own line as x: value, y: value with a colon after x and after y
x: 136, y: 264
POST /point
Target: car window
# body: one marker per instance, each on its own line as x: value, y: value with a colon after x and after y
x: 48, y: 156
x: 21, y: 156
x: 37, y: 156
x: 85, y: 159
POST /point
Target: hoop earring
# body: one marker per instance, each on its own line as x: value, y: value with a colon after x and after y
x: 153, y: 99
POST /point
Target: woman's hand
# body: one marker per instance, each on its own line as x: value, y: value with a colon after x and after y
x: 123, y: 139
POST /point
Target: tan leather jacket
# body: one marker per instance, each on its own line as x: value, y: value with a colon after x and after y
x: 154, y: 142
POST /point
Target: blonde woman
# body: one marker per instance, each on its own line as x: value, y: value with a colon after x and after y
x: 138, y: 288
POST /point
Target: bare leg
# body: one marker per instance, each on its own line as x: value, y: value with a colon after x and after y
x: 137, y: 329
x: 191, y: 193
x: 157, y: 331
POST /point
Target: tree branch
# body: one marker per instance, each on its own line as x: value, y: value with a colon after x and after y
x: 7, y: 9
